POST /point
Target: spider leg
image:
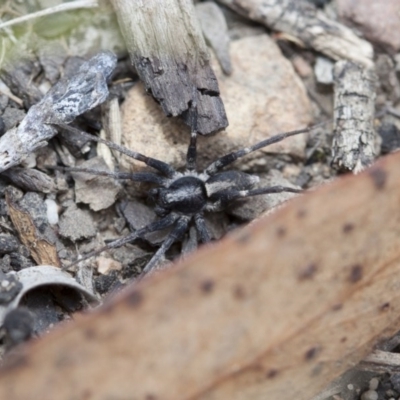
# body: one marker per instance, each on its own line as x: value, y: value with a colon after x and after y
x: 230, y: 195
x: 162, y: 223
x: 227, y: 159
x: 136, y: 176
x: 179, y: 229
x: 160, y: 166
x: 202, y: 228
x: 192, y: 152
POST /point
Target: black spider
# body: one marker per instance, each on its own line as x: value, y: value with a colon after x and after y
x: 182, y: 197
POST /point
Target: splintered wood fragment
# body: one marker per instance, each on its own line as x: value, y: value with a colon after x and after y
x: 67, y: 99
x: 168, y: 50
x: 303, y: 21
x: 41, y: 250
x: 355, y: 141
x: 30, y: 179
x: 381, y: 362
x: 283, y: 306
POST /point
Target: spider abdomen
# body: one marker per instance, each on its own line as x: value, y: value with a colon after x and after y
x: 186, y: 195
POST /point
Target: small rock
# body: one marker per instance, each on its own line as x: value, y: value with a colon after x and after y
x: 379, y: 21
x: 138, y: 215
x: 20, y: 261
x: 390, y: 135
x: 302, y: 67
x: 18, y: 326
x: 12, y: 116
x: 8, y: 244
x: 33, y: 203
x: 252, y: 207
x: 106, y: 283
x: 215, y: 30
x: 369, y: 395
x: 395, y: 381
x: 324, y: 70
x: 373, y: 384
x: 10, y: 286
x: 99, y: 192
x: 104, y: 265
x: 76, y: 224
x: 52, y: 211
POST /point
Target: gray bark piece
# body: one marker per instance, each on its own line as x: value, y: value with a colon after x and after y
x: 215, y: 31
x: 168, y: 50
x: 355, y: 141
x: 62, y: 104
x: 30, y: 180
x: 303, y: 21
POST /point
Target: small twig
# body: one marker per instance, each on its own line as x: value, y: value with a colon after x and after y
x: 4, y: 90
x: 300, y: 19
x: 381, y: 361
x: 354, y: 145
x: 52, y: 10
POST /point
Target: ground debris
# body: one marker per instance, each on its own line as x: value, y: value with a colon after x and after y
x: 355, y: 140
x: 62, y: 104
x: 379, y: 22
x: 99, y: 192
x: 302, y: 21
x: 41, y: 249
x: 76, y: 224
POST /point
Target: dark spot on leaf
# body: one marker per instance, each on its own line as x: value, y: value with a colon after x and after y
x: 107, y: 308
x: 134, y: 299
x: 89, y: 333
x: 15, y: 361
x: 356, y: 273
x: 311, y: 353
x: 384, y: 307
x: 243, y: 237
x: 281, y: 231
x: 337, y: 307
x: 207, y: 286
x: 87, y: 394
x: 301, y: 213
x: 239, y: 293
x: 347, y: 228
x: 317, y: 369
x: 272, y: 373
x: 379, y: 177
x: 307, y: 272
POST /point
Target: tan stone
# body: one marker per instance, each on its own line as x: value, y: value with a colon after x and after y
x: 262, y: 97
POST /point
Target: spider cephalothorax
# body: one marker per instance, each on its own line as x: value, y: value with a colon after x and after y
x: 181, y: 198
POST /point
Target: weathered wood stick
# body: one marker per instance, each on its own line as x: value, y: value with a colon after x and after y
x: 168, y: 50
x: 355, y: 141
x: 303, y: 21
x: 380, y: 362
x: 291, y: 302
x: 67, y: 99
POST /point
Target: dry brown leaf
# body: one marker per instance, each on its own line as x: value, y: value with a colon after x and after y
x: 275, y: 310
x: 41, y: 250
